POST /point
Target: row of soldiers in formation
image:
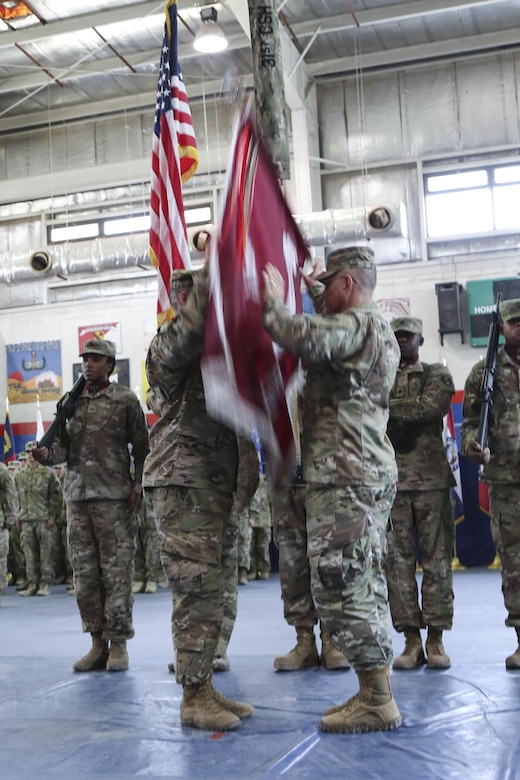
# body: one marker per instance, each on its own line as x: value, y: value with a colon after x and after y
x: 33, y: 533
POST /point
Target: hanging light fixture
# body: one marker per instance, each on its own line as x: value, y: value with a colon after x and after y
x: 210, y: 37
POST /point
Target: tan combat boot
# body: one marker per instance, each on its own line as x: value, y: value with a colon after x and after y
x: 437, y: 656
x: 413, y: 653
x: 96, y: 658
x: 200, y: 710
x: 43, y: 590
x: 331, y: 657
x: 117, y: 657
x: 513, y: 661
x: 372, y: 709
x: 303, y: 655
x: 30, y: 590
x: 238, y: 708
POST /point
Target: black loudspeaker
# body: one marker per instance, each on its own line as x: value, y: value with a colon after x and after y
x: 448, y: 302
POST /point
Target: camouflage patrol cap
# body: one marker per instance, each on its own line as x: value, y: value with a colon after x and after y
x: 13, y: 465
x: 408, y: 324
x: 348, y: 258
x: 510, y: 310
x: 22, y: 456
x: 99, y: 347
x: 181, y: 279
x: 30, y: 446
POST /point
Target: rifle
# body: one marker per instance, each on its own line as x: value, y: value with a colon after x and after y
x: 488, y: 377
x: 64, y: 411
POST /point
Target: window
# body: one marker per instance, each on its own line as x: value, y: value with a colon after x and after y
x: 78, y: 229
x: 472, y: 201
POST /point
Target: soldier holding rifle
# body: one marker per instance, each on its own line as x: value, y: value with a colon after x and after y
x: 96, y: 427
x: 490, y: 437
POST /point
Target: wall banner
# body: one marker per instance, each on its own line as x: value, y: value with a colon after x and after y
x: 34, y: 368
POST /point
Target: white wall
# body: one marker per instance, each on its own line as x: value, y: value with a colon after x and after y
x: 61, y: 322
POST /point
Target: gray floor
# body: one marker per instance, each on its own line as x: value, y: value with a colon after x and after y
x: 460, y: 723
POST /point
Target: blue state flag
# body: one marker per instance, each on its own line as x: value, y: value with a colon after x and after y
x: 9, y: 451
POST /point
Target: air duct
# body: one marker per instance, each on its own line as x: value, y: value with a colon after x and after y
x: 117, y: 253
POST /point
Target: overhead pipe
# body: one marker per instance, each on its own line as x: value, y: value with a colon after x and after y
x: 116, y: 253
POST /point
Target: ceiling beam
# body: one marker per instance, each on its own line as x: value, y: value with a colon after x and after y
x: 386, y: 14
x: 453, y: 48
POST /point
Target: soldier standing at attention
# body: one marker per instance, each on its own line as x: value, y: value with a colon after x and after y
x: 501, y: 458
x: 420, y: 398
x: 102, y: 498
x: 16, y: 559
x: 191, y: 473
x: 8, y: 518
x: 40, y: 497
x: 349, y: 467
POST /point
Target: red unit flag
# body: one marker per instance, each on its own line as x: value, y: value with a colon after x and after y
x: 248, y: 380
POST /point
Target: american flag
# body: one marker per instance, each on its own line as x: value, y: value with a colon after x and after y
x: 249, y: 381
x: 174, y: 160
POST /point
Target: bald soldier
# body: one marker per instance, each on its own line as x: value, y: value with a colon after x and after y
x: 501, y: 458
x: 420, y: 398
x: 349, y: 467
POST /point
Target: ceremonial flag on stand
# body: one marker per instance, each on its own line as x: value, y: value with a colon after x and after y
x: 247, y: 378
x: 39, y: 420
x: 9, y: 451
x: 452, y: 453
x: 174, y: 160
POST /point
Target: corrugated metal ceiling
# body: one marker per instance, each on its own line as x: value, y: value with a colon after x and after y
x: 96, y: 56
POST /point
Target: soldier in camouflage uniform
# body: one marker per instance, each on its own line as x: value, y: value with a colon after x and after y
x: 247, y: 483
x: 290, y: 536
x: 244, y: 545
x: 16, y: 559
x: 16, y: 554
x: 349, y: 467
x: 147, y: 566
x: 102, y: 498
x: 501, y: 458
x: 420, y: 398
x: 260, y: 522
x: 8, y: 518
x: 63, y: 565
x: 192, y: 475
x: 40, y: 499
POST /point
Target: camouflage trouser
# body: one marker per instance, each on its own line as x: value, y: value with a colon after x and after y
x: 260, y: 559
x: 147, y: 564
x: 244, y: 540
x: 505, y: 528
x: 193, y: 527
x: 230, y: 578
x: 4, y: 550
x: 290, y: 536
x: 16, y: 560
x: 429, y: 513
x: 101, y: 537
x: 346, y: 530
x: 39, y: 547
x: 63, y: 566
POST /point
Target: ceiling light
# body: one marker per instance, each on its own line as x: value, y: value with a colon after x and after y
x: 210, y: 37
